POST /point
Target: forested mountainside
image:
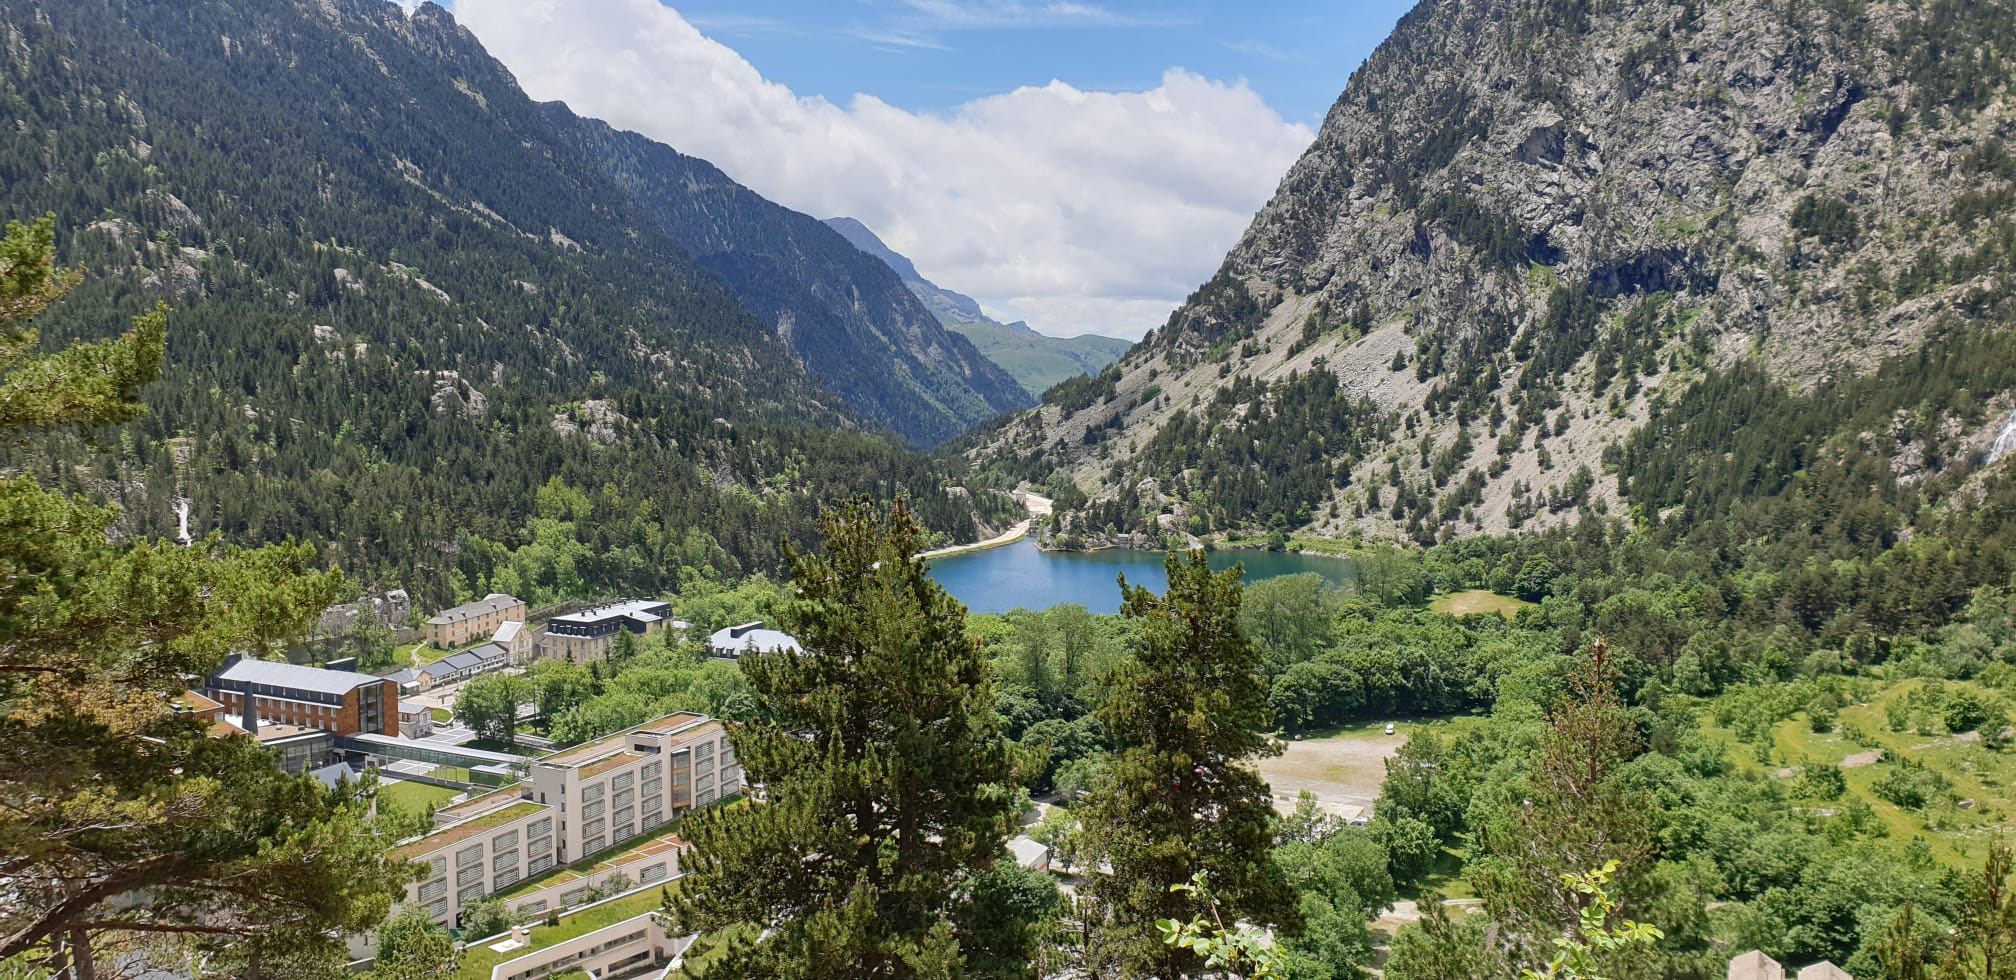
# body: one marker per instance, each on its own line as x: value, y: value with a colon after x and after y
x: 852, y: 321
x: 1038, y: 361
x: 1555, y: 256
x: 401, y: 303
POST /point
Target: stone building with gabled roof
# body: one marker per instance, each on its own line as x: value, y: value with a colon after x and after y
x: 473, y: 621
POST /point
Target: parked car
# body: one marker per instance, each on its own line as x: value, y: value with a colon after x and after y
x: 1389, y: 728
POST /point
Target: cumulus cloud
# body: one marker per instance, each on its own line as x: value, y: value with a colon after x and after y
x: 1080, y: 211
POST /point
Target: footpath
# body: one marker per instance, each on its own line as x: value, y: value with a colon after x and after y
x: 1037, y: 507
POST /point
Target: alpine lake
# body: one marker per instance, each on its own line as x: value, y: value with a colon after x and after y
x: 1021, y: 576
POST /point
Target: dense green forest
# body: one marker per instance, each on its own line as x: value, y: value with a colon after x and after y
x: 400, y: 306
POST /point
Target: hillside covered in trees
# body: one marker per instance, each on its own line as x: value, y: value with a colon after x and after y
x: 402, y: 302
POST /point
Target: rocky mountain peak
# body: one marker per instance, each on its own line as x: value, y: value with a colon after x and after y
x: 1525, y: 220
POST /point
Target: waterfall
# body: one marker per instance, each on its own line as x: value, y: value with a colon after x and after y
x: 2005, y: 442
x: 182, y: 519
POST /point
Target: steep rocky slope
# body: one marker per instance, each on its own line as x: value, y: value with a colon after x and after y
x: 853, y: 322
x: 1530, y: 226
x: 1036, y: 360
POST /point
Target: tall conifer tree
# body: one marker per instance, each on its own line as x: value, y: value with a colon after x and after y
x: 1190, y: 714
x: 121, y: 818
x: 884, y: 777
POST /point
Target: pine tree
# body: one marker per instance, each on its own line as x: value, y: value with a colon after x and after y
x: 122, y: 817
x: 1575, y: 816
x: 884, y: 779
x: 1189, y: 712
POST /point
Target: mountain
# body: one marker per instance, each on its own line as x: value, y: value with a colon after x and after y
x: 852, y: 322
x: 411, y: 318
x: 1038, y: 361
x: 1548, y: 258
x: 951, y: 307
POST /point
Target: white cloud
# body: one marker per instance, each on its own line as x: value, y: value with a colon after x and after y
x: 1078, y: 211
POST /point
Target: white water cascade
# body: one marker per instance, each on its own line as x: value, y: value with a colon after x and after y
x: 2005, y: 442
x: 182, y: 518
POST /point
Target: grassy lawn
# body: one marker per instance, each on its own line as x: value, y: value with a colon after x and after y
x: 414, y: 797
x: 1477, y: 603
x: 478, y: 961
x: 1957, y: 837
x: 442, y: 716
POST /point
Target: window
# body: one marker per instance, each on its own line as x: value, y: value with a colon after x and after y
x: 507, y: 841
x: 473, y: 893
x: 538, y: 864
x: 591, y: 828
x: 593, y: 792
x: 504, y: 859
x: 623, y: 797
x: 473, y: 854
x: 623, y: 815
x: 703, y: 784
x: 543, y: 845
x: 440, y: 864
x: 438, y: 908
x: 651, y: 768
x: 653, y: 787
x: 591, y: 810
x: 574, y: 897
x: 706, y: 796
x: 433, y: 890
x: 651, y: 874
x: 470, y: 875
x: 533, y: 907
x: 680, y: 777
x: 624, y: 832
x: 623, y: 780
x: 593, y: 844
x: 653, y: 819
x: 705, y: 750
x: 540, y: 826
x: 505, y: 879
x: 653, y: 803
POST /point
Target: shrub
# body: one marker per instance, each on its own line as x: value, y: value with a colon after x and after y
x: 1909, y: 785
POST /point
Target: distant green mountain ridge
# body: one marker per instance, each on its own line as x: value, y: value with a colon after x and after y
x: 1038, y: 361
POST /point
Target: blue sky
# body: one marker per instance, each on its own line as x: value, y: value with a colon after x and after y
x: 932, y: 56
x: 1079, y: 164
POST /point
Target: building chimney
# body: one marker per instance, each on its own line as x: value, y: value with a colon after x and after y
x: 251, y: 715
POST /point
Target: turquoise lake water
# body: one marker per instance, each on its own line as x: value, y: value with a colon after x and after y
x: 1020, y: 576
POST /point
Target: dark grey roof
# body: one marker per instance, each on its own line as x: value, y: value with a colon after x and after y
x: 275, y: 674
x: 642, y: 610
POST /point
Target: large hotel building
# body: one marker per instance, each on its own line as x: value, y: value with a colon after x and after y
x: 572, y: 804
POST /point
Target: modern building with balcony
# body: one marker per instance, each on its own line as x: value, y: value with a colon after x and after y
x: 573, y: 804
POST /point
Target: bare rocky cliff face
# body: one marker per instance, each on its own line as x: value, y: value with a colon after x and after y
x: 1522, y: 223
